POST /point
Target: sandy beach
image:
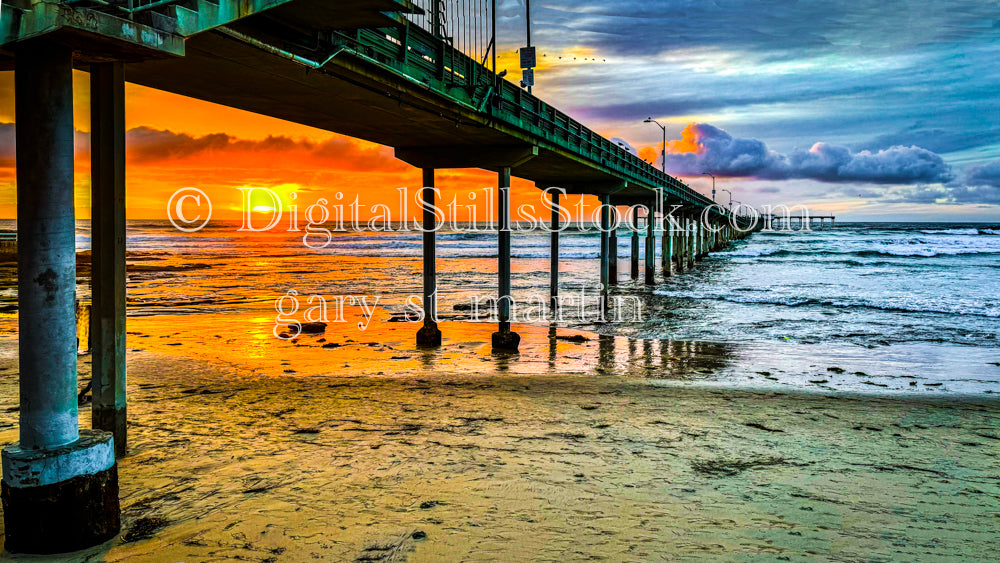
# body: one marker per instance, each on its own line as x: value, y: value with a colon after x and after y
x: 272, y: 451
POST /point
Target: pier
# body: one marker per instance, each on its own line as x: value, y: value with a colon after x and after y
x: 393, y: 72
x: 8, y: 242
x: 802, y: 222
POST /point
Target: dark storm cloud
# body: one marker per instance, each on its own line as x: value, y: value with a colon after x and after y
x: 778, y: 27
x: 147, y: 145
x: 985, y: 175
x: 705, y: 148
x: 860, y: 74
x: 981, y: 185
x: 949, y: 195
x: 937, y: 140
x: 712, y: 99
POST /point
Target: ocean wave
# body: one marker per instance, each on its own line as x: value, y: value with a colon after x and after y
x: 899, y: 251
x: 840, y: 304
x: 950, y: 231
x: 754, y: 252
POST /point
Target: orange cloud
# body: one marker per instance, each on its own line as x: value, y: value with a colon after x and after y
x: 649, y: 154
x: 688, y: 142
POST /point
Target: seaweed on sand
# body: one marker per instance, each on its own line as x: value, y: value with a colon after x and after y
x: 727, y: 467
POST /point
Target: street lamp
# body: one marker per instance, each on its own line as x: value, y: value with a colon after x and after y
x: 664, y: 153
x: 713, y: 183
x: 730, y: 197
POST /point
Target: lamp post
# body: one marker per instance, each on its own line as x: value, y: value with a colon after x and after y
x: 730, y: 197
x: 664, y: 153
x: 527, y: 21
x: 713, y: 183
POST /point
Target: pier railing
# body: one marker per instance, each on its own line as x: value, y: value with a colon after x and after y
x: 8, y: 242
x: 419, y: 54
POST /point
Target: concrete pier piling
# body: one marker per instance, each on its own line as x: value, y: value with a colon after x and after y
x: 504, y: 339
x: 554, y: 253
x: 650, y: 254
x: 605, y: 248
x: 634, y: 271
x: 107, y: 123
x: 699, y: 240
x: 60, y: 484
x: 692, y: 240
x: 666, y: 258
x: 677, y: 227
x: 429, y: 335
x: 613, y: 249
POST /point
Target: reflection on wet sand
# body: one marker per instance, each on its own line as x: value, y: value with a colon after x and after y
x: 387, y: 349
x: 663, y: 359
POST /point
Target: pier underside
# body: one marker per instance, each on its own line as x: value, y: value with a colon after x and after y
x: 358, y: 68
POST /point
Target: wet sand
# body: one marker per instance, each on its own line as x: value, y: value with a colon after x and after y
x: 243, y: 447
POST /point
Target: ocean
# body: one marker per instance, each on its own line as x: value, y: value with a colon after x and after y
x: 896, y: 298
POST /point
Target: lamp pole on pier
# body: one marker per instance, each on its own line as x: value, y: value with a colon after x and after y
x: 663, y: 154
x: 730, y: 197
x: 713, y: 183
x: 527, y: 20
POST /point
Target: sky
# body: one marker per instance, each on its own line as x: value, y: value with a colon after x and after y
x: 869, y: 109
